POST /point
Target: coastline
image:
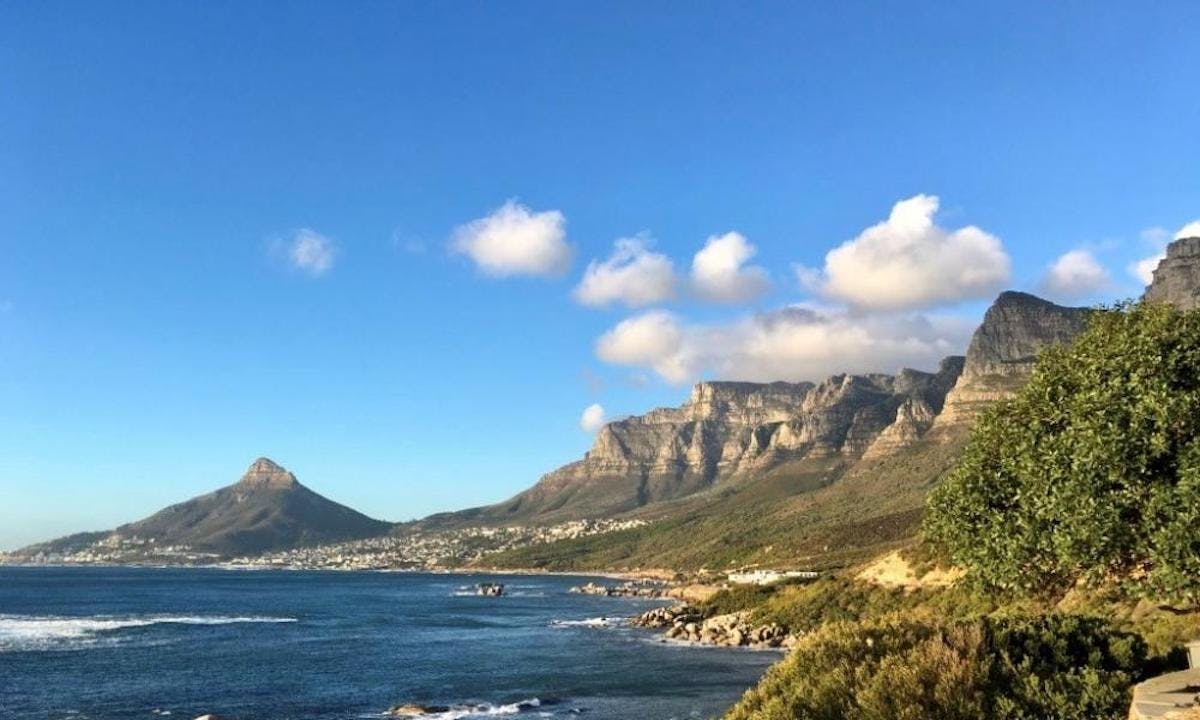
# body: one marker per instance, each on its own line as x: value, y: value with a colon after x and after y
x: 474, y: 571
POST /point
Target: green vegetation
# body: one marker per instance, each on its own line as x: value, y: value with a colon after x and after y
x: 1051, y: 668
x: 1073, y: 509
x: 776, y: 520
x: 802, y: 607
x: 872, y: 652
x: 1090, y: 474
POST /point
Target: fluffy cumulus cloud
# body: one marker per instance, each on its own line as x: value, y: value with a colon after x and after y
x: 1076, y: 274
x: 514, y: 240
x: 633, y: 276
x: 909, y: 262
x: 593, y: 418
x: 720, y: 273
x: 653, y: 340
x: 792, y: 343
x: 310, y: 252
x: 1143, y: 269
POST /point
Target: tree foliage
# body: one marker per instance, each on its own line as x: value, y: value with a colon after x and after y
x: 1051, y: 668
x: 1092, y: 471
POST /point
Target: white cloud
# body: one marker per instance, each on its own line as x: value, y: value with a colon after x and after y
x: 593, y: 418
x: 632, y: 275
x: 654, y: 340
x: 1143, y: 269
x: 515, y: 241
x: 792, y: 343
x: 1075, y: 274
x: 310, y: 252
x: 909, y: 262
x: 1190, y: 230
x: 719, y: 273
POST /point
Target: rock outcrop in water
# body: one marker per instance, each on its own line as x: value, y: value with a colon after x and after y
x: 685, y: 623
x: 1177, y: 277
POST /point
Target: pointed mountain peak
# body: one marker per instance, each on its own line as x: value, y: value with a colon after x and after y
x: 265, y: 473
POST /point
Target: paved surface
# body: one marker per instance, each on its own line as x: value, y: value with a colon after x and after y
x: 1174, y: 696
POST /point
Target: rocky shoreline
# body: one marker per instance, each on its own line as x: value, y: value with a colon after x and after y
x: 629, y: 588
x: 685, y: 623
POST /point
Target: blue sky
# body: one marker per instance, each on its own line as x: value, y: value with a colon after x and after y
x: 352, y: 237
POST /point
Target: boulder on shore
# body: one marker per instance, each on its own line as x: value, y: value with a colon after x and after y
x: 688, y: 624
x: 629, y: 588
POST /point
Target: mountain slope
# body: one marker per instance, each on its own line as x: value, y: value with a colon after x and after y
x: 268, y: 509
x: 1004, y: 349
x: 1177, y: 278
x: 835, y: 501
x: 730, y: 434
x: 730, y: 431
x: 741, y: 473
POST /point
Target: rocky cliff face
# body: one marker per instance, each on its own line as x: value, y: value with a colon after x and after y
x: 1004, y: 348
x: 1177, y: 277
x: 726, y: 430
x: 265, y: 474
x: 733, y: 431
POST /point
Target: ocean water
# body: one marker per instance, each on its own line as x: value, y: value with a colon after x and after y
x: 149, y: 644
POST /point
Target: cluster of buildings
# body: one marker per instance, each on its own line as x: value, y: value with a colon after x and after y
x: 766, y: 577
x: 117, y: 549
x: 445, y: 548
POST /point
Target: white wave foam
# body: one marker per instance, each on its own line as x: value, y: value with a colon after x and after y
x: 461, y: 712
x: 507, y: 593
x: 23, y: 632
x: 595, y: 622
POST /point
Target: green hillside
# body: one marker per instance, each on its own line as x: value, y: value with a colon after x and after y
x: 816, y: 513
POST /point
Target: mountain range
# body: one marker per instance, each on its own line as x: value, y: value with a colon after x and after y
x: 741, y: 473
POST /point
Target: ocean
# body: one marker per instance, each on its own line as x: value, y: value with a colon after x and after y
x: 91, y: 643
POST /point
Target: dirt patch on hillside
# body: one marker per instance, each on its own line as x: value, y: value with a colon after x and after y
x: 894, y: 571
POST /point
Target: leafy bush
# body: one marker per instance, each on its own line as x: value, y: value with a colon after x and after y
x: 1165, y: 629
x: 1050, y: 668
x: 1092, y: 472
x: 805, y: 606
x: 739, y: 597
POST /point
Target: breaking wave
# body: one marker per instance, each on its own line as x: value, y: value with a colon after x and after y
x: 34, y: 632
x: 477, y: 710
x: 596, y: 622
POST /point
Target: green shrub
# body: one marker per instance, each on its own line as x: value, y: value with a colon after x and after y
x: 1045, y: 668
x: 1092, y: 472
x: 804, y: 606
x: 737, y: 598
